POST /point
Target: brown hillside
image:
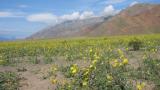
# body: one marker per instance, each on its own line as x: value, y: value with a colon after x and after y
x: 138, y: 19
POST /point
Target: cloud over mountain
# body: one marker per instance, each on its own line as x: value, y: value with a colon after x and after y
x: 133, y: 3
x: 110, y: 11
x: 138, y: 19
x: 108, y: 2
x: 48, y: 18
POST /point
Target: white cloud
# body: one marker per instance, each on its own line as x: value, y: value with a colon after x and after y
x: 77, y: 15
x: 133, y: 3
x: 6, y: 14
x: 50, y: 18
x: 110, y: 11
x: 87, y: 14
x: 112, y: 1
x: 23, y: 6
x: 43, y: 17
x: 73, y: 16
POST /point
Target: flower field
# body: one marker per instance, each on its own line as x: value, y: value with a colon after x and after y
x: 102, y: 63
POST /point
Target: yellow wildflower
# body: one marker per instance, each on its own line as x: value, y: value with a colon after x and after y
x: 96, y: 56
x: 53, y: 68
x: 140, y: 86
x: 86, y: 72
x: 115, y: 63
x: 53, y: 81
x: 110, y: 49
x: 94, y: 61
x: 91, y: 66
x: 120, y: 51
x: 84, y: 83
x: 120, y: 64
x: 74, y: 69
x: 90, y: 50
x: 127, y: 48
x: 125, y: 61
x: 122, y: 56
x: 109, y: 77
x: 69, y: 86
x: 154, y: 50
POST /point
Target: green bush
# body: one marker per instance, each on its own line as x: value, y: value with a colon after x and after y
x: 8, y: 81
x: 135, y: 44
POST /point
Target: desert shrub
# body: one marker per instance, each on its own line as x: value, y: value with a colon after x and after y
x: 101, y: 74
x: 8, y: 81
x: 152, y: 66
x: 135, y: 44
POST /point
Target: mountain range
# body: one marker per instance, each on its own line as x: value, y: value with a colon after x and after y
x: 136, y: 19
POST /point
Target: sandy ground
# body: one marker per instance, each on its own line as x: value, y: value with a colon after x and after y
x: 32, y: 79
x: 32, y: 76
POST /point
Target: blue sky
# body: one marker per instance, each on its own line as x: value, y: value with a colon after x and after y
x: 21, y: 18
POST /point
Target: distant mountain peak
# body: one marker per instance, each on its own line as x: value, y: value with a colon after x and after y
x: 137, y: 19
